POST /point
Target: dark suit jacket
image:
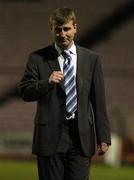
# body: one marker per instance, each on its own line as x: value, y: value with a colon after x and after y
x: 92, y: 119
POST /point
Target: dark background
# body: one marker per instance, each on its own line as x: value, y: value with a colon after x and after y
x: 105, y: 26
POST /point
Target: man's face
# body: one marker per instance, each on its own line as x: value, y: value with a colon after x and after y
x: 64, y: 34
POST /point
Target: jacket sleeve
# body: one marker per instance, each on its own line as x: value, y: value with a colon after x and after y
x: 31, y: 87
x: 102, y: 126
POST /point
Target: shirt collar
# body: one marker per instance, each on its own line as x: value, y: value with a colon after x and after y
x: 71, y: 50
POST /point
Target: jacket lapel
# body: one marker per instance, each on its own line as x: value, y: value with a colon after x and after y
x: 53, y: 63
x: 80, y: 69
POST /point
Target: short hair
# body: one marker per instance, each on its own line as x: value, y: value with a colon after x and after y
x: 62, y: 15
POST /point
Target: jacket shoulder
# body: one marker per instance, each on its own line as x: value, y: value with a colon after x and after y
x: 43, y: 51
x: 87, y: 51
x: 47, y: 53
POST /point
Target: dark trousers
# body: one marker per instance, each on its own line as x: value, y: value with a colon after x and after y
x: 69, y: 162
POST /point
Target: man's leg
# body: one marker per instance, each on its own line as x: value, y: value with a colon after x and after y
x: 51, y: 168
x: 77, y: 167
x: 77, y: 164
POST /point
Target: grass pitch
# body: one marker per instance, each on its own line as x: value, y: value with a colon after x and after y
x: 27, y: 170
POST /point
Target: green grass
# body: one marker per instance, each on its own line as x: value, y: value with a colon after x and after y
x: 18, y: 170
x: 112, y: 173
x: 23, y: 170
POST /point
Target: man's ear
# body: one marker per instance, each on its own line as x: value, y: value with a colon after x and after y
x: 75, y: 27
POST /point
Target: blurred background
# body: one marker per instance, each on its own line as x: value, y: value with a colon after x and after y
x: 105, y: 26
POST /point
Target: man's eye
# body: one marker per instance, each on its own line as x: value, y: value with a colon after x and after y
x: 66, y: 29
x: 58, y: 30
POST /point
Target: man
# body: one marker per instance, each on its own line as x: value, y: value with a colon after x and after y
x: 66, y: 81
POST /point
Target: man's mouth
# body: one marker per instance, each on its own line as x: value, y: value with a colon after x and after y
x: 63, y: 40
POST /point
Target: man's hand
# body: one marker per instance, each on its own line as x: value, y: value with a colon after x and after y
x: 102, y: 148
x: 56, y: 77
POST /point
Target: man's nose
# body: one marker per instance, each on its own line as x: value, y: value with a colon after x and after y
x: 62, y: 33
